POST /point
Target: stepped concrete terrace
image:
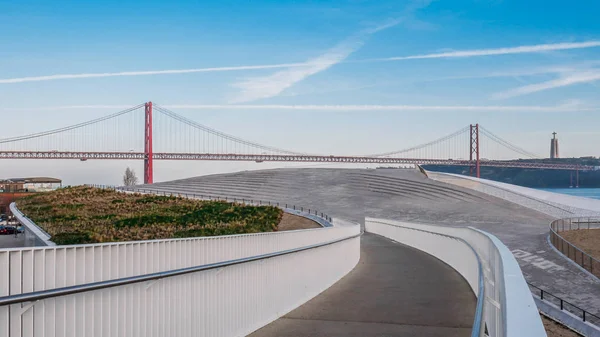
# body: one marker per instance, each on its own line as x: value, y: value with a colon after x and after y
x: 405, y: 195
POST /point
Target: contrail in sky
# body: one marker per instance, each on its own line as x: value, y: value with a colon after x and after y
x: 496, y: 51
x: 149, y: 72
x: 343, y: 108
x: 564, y: 81
x: 452, y: 54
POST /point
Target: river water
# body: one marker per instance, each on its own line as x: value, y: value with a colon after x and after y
x: 592, y: 193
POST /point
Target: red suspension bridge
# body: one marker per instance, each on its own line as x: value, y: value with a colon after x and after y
x: 170, y: 136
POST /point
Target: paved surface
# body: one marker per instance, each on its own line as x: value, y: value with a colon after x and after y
x: 394, y: 290
x: 408, y: 195
x: 9, y: 241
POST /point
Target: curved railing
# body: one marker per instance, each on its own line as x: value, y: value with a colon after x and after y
x: 505, y: 307
x: 36, y: 236
x: 255, y: 202
x: 574, y: 253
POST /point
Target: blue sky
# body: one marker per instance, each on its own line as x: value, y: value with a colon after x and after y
x: 524, y: 69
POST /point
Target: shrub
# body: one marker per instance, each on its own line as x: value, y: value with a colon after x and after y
x: 77, y: 215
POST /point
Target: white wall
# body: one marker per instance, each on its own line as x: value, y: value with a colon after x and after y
x: 553, y: 204
x: 230, y: 301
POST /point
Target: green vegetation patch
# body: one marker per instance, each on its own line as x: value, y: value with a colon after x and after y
x: 76, y: 215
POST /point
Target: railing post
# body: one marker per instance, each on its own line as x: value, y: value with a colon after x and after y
x: 583, y: 315
x: 561, y: 304
x: 542, y: 294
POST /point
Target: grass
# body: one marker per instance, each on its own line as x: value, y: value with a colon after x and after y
x: 76, y: 215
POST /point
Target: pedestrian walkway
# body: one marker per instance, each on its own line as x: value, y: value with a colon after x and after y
x: 395, y: 290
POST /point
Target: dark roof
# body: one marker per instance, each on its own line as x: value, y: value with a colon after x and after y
x: 38, y: 180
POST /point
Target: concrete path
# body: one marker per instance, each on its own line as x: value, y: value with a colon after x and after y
x: 394, y: 290
x: 9, y: 241
x: 407, y: 195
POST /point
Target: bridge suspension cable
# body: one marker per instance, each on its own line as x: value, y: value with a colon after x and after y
x: 221, y: 138
x: 507, y: 144
x: 446, y: 138
x: 71, y: 127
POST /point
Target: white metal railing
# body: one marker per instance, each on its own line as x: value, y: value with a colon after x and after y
x: 505, y: 306
x: 230, y: 300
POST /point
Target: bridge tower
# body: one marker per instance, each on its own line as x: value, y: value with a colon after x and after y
x: 148, y: 169
x: 474, y: 150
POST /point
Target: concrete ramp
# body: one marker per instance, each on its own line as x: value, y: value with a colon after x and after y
x: 394, y: 290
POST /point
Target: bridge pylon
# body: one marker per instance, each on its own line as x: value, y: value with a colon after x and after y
x: 474, y: 150
x: 148, y: 168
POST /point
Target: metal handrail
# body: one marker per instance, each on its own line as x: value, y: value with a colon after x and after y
x: 477, y: 324
x: 554, y: 232
x: 227, y: 199
x: 44, y: 294
x: 585, y: 314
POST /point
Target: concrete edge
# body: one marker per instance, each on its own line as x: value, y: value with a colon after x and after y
x: 566, y: 318
x: 30, y: 227
x: 422, y: 170
x: 482, y: 181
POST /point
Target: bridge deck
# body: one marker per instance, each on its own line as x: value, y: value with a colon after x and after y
x: 394, y: 290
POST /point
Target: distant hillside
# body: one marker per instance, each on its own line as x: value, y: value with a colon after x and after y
x: 533, y: 177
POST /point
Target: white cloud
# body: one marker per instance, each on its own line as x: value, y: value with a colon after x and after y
x: 261, y: 87
x: 301, y: 70
x: 563, y: 81
x: 497, y: 51
x: 510, y: 73
x: 272, y: 85
x: 569, y: 106
x: 398, y: 108
x: 146, y: 73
